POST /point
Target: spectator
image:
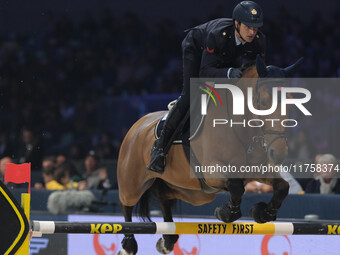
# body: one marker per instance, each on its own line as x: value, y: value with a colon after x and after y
x: 95, y: 176
x: 61, y: 179
x: 48, y: 177
x: 74, y: 174
x: 3, y: 163
x: 105, y: 149
x: 30, y: 150
x: 257, y: 187
x: 304, y: 181
x: 326, y: 182
x: 61, y: 158
x: 47, y: 163
x: 294, y: 186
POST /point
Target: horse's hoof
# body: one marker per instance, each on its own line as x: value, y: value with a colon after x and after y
x: 259, y: 212
x: 129, y: 245
x: 160, y: 246
x: 225, y: 214
x: 124, y: 252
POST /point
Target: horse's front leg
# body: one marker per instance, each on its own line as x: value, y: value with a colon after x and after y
x: 263, y: 212
x: 231, y: 211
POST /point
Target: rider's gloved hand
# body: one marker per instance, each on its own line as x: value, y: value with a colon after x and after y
x: 234, y: 73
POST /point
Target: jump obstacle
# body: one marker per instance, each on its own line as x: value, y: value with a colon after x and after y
x: 38, y: 228
x: 191, y: 228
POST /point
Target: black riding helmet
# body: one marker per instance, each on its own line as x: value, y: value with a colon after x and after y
x: 248, y: 13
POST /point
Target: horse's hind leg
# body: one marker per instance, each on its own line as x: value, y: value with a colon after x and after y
x: 231, y: 211
x: 166, y: 244
x: 129, y: 242
x: 261, y: 212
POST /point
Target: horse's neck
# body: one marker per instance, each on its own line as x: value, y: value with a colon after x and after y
x: 250, y: 72
x: 217, y: 137
x: 251, y: 78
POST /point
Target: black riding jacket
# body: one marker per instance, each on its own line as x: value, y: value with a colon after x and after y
x: 215, y: 42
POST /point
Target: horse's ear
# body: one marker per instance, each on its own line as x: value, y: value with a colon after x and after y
x: 290, y: 70
x: 261, y: 66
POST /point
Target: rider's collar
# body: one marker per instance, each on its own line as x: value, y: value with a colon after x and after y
x: 238, y: 42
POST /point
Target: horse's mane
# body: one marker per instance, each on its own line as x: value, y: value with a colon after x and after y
x: 247, y: 67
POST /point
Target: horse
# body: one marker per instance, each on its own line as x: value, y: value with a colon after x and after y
x: 249, y: 146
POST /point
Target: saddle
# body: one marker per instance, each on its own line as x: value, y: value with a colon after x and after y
x: 183, y: 135
x: 183, y: 138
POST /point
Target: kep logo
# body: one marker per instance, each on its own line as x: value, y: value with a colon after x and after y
x: 105, y: 228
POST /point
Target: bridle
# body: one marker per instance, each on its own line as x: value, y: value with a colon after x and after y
x: 279, y: 134
x: 259, y: 139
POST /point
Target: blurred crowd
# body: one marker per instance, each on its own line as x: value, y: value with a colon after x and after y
x: 60, y: 173
x: 52, y: 82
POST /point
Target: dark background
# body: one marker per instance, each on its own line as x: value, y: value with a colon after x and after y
x: 24, y: 16
x: 80, y: 73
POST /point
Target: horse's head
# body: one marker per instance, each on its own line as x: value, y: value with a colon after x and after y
x: 274, y: 132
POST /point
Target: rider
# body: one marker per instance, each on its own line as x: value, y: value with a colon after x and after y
x: 214, y: 49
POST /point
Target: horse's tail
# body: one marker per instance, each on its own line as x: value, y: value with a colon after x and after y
x: 157, y: 192
x: 143, y: 203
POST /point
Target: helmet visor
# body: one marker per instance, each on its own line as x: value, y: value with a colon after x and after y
x: 253, y: 24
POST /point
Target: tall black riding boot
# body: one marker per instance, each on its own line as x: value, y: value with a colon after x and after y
x: 158, y: 153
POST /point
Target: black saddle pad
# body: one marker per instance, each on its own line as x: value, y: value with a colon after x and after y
x: 183, y: 135
x: 180, y: 137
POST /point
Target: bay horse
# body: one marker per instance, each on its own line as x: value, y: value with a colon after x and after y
x: 267, y: 145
